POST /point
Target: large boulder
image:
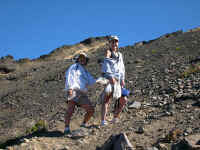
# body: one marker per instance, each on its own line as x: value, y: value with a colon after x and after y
x: 117, y: 142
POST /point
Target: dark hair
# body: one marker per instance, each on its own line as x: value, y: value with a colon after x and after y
x: 87, y: 60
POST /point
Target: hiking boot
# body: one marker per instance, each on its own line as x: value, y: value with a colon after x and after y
x: 83, y: 125
x: 67, y: 131
x: 103, y: 123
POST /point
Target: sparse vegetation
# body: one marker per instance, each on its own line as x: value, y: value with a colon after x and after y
x: 24, y: 60
x: 8, y: 57
x: 178, y: 48
x: 153, y: 51
x: 41, y: 125
x: 191, y: 69
x: 173, y: 135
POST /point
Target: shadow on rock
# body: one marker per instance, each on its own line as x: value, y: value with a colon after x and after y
x: 20, y: 140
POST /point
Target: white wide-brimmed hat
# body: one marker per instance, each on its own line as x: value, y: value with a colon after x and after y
x: 114, y: 37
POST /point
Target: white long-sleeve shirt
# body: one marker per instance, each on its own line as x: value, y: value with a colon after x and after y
x: 78, y: 78
x: 114, y: 67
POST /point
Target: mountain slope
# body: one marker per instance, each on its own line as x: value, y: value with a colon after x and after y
x: 158, y: 73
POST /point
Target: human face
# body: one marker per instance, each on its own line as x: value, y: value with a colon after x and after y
x: 82, y: 60
x: 114, y: 45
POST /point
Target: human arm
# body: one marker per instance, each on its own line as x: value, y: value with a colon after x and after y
x: 108, y: 54
x: 122, y: 70
x: 69, y: 81
x: 70, y: 78
x: 107, y: 70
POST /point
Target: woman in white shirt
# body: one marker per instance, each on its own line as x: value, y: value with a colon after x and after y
x: 113, y: 69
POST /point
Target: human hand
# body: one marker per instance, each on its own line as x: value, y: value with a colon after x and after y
x: 102, y: 81
x: 122, y: 83
x: 108, y: 54
x: 70, y: 92
x: 112, y: 80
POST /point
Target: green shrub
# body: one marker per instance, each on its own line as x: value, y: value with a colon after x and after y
x: 41, y: 125
x: 153, y: 51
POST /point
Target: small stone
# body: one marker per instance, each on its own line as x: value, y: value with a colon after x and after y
x: 130, y: 82
x: 138, y: 91
x: 188, y: 106
x: 44, y: 95
x: 162, y: 146
x: 140, y: 130
x: 135, y: 105
x: 151, y: 148
x: 93, y: 132
x: 179, y: 95
x: 167, y: 113
x: 66, y: 148
x: 189, y: 130
x: 154, y: 98
x: 77, y: 134
x: 173, y: 64
x: 192, y: 117
x: 185, y: 133
x: 24, y: 144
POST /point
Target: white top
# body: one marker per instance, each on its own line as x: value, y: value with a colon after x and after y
x: 78, y: 78
x: 114, y: 67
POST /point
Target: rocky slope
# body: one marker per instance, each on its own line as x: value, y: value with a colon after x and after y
x: 162, y: 74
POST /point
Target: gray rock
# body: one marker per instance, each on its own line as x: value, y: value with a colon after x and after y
x: 181, y: 145
x: 79, y: 133
x: 162, y: 147
x: 118, y: 142
x: 189, y: 130
x: 152, y: 148
x: 140, y: 130
x: 136, y: 105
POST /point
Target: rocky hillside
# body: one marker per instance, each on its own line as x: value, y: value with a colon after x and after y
x: 163, y: 109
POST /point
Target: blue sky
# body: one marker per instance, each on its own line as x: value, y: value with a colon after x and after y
x: 30, y: 28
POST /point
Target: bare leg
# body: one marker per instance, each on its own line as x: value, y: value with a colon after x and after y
x: 104, y: 108
x: 69, y: 112
x: 89, y: 112
x: 122, y: 103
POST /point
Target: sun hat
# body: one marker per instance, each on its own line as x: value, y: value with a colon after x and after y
x: 75, y: 58
x: 83, y: 54
x: 114, y: 38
